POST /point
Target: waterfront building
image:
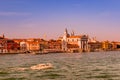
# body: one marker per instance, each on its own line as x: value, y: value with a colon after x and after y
x: 33, y: 44
x: 8, y: 45
x: 106, y: 45
x: 43, y: 44
x: 54, y: 44
x: 74, y: 42
x: 23, y: 46
x: 115, y: 45
x: 94, y: 45
x: 3, y: 44
x: 12, y: 46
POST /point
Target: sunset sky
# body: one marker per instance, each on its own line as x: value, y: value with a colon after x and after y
x: 48, y: 18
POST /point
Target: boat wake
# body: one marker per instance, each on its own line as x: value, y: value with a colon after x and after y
x: 35, y: 67
x: 21, y: 69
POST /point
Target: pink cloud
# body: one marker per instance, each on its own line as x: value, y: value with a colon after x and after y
x: 14, y: 14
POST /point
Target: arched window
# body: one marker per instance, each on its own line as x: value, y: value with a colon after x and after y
x: 73, y: 40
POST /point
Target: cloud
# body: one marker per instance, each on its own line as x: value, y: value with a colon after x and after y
x: 108, y: 14
x: 105, y: 14
x: 14, y: 14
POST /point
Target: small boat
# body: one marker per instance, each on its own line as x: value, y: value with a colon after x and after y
x: 41, y: 66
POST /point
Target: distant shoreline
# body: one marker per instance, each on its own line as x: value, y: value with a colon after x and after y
x: 54, y: 53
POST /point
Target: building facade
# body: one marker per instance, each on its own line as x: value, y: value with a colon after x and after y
x: 3, y: 44
x: 94, y: 46
x: 33, y: 44
x: 74, y: 42
x: 12, y: 46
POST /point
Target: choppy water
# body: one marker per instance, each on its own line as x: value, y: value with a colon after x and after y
x: 67, y: 66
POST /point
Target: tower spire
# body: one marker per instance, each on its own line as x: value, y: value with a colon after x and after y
x: 3, y: 36
x: 66, y: 32
x: 72, y: 33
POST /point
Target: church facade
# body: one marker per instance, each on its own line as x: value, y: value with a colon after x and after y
x: 72, y: 42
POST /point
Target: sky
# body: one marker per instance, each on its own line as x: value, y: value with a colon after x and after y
x: 48, y: 18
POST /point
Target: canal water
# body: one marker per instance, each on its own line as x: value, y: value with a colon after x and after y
x: 66, y: 66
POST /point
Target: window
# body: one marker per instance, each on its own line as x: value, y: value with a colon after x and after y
x: 73, y: 40
x: 68, y: 40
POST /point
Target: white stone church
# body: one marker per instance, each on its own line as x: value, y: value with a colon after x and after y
x: 74, y: 42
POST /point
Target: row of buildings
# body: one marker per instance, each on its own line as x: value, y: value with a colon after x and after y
x: 66, y: 43
x: 83, y: 43
x: 28, y: 45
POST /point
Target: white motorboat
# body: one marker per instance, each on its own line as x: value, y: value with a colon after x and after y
x: 41, y: 66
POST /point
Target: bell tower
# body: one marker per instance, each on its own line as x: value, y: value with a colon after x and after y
x: 65, y: 34
x: 64, y: 40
